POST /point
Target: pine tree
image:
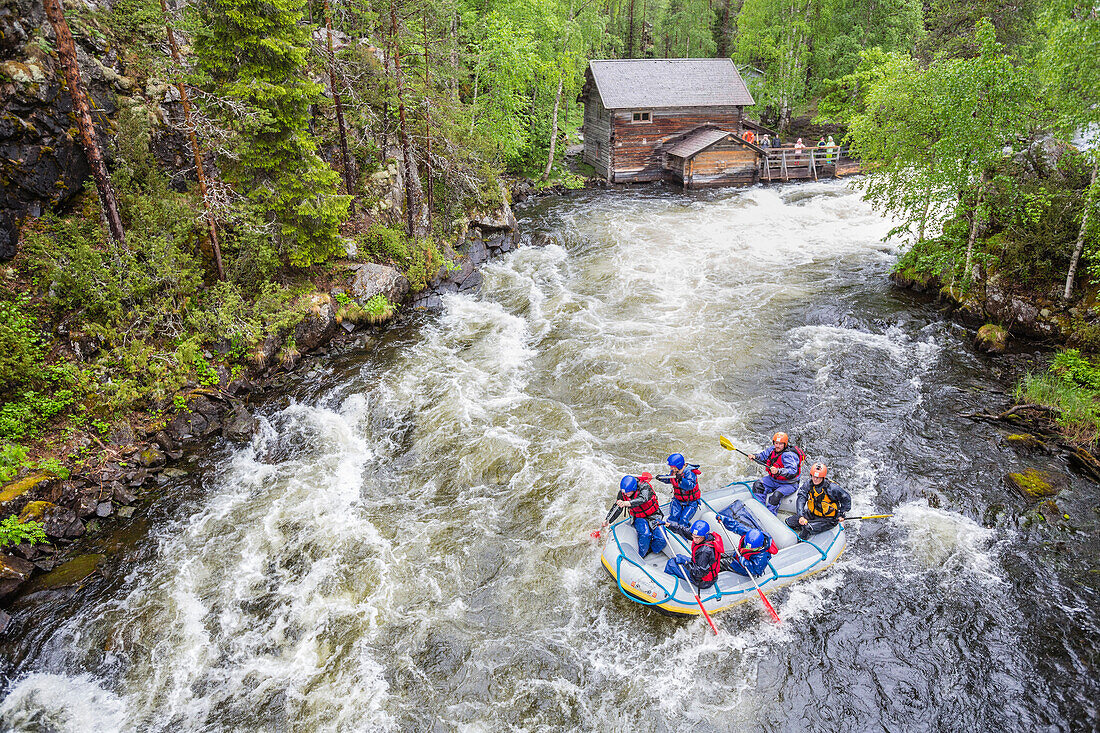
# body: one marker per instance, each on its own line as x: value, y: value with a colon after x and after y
x: 252, y: 59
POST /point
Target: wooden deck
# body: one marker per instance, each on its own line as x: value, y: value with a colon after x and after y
x: 787, y: 164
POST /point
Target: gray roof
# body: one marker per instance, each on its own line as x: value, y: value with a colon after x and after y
x: 655, y: 83
x: 697, y: 141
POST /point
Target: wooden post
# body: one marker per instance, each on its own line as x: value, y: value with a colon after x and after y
x: 410, y: 202
x: 66, y: 51
x: 783, y: 167
x: 813, y: 164
x: 196, y: 151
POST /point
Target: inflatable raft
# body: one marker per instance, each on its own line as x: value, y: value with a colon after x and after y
x: 645, y: 581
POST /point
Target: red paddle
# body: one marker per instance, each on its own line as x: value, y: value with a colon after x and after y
x: 764, y: 598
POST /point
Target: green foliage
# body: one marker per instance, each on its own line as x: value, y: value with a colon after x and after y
x: 14, y: 532
x: 21, y: 349
x: 383, y: 244
x: 425, y: 260
x: 378, y: 305
x: 26, y: 413
x: 12, y: 456
x: 254, y: 54
x: 1071, y: 387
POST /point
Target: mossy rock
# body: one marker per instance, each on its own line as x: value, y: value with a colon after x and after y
x: 991, y: 339
x: 35, y: 510
x: 17, y: 488
x: 1023, y: 440
x: 1035, y: 484
x: 70, y: 573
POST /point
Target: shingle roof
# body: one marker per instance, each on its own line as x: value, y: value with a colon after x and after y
x: 652, y: 83
x: 697, y: 141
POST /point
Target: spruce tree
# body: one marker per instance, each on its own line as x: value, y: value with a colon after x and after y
x: 251, y: 57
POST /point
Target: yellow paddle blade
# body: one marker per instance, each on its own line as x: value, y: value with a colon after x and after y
x: 725, y: 442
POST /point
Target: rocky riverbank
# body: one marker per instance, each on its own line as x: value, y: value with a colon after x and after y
x: 136, y: 456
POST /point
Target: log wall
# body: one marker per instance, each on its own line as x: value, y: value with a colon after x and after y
x: 636, y: 147
x: 597, y: 132
x: 723, y: 164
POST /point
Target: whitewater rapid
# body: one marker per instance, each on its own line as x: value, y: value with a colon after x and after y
x: 405, y: 544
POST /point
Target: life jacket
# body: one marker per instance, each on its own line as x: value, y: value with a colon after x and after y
x: 685, y: 497
x: 776, y: 459
x: 647, y: 508
x: 819, y: 503
x: 715, y: 543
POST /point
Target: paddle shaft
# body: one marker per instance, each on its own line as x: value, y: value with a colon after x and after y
x: 684, y: 575
x: 767, y: 603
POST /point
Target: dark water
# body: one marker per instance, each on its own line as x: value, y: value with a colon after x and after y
x: 405, y: 545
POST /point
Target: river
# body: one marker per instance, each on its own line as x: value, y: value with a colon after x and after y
x: 405, y: 545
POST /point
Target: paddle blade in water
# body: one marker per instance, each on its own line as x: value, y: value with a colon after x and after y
x: 768, y: 605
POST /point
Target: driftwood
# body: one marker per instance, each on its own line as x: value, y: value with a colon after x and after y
x: 1081, y: 458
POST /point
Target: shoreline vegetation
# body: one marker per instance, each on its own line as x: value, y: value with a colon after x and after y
x: 269, y: 177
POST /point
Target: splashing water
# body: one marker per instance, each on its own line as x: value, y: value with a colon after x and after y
x: 404, y: 545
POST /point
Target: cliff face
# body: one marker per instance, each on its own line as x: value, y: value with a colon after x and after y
x: 42, y: 163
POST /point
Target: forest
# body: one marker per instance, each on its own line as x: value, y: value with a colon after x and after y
x: 297, y: 119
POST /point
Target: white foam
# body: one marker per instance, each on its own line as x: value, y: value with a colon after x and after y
x: 54, y: 702
x: 947, y: 543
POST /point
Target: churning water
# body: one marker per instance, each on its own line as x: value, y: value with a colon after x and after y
x: 405, y: 544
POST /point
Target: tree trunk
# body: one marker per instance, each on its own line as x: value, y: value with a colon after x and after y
x: 974, y: 221
x: 66, y: 51
x: 630, y: 33
x: 1082, y: 231
x: 554, y: 129
x: 196, y: 151
x: 724, y: 33
x: 427, y: 125
x: 402, y: 129
x: 349, y: 178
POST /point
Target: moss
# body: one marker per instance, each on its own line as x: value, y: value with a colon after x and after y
x: 1023, y: 440
x: 18, y: 488
x: 1033, y: 484
x: 70, y: 573
x: 991, y: 338
x: 35, y: 510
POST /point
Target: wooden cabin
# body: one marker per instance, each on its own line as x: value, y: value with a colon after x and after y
x: 679, y: 120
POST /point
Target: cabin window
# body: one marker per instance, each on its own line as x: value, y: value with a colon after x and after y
x: 641, y: 117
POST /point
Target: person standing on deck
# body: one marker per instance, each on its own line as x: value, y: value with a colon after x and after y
x: 783, y: 462
x: 798, y: 148
x: 832, y: 148
x: 684, y: 478
x: 821, y: 504
x: 706, y: 549
x: 637, y: 496
x: 766, y: 141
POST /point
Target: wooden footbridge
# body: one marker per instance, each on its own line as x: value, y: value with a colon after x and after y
x: 799, y: 164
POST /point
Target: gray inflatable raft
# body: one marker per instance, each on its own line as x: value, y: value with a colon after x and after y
x: 645, y: 581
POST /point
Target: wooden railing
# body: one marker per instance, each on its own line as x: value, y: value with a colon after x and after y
x: 786, y: 163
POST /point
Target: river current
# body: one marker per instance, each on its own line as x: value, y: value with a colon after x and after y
x: 405, y: 544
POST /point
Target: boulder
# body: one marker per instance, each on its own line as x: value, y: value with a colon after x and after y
x: 5, y: 622
x: 187, y: 427
x: 319, y: 325
x: 35, y: 510
x: 87, y: 505
x: 15, y: 568
x: 62, y: 522
x: 67, y: 574
x: 122, y: 495
x: 541, y: 239
x: 991, y: 339
x: 104, y: 509
x: 370, y: 279
x: 498, y: 218
x: 1023, y: 441
x: 240, y: 425
x: 151, y: 457
x: 1035, y: 484
x: 16, y: 489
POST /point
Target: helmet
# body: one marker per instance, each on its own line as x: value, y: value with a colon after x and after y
x: 753, y: 540
x: 700, y: 528
x: 781, y: 438
x: 819, y: 470
x: 628, y: 485
x: 676, y: 460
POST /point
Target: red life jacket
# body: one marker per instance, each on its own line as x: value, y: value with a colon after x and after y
x: 685, y: 497
x: 647, y: 508
x: 776, y: 459
x: 715, y: 543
